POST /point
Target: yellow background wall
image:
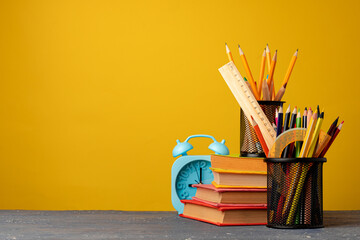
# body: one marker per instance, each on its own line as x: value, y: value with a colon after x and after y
x: 93, y: 94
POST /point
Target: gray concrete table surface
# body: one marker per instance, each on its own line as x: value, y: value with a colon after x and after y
x: 17, y: 224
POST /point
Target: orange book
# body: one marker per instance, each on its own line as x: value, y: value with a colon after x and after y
x: 224, y: 178
x: 225, y: 196
x: 238, y: 163
x: 224, y: 216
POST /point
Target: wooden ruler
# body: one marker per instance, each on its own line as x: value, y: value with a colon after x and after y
x: 247, y: 101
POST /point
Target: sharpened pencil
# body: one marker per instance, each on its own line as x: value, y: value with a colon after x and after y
x: 228, y: 53
x: 338, y: 129
x: 315, y: 135
x: 292, y: 125
x: 280, y: 93
x: 304, y: 122
x: 286, y: 126
x: 248, y: 73
x: 333, y: 127
x: 262, y: 70
x: 268, y: 58
x: 290, y: 68
x: 309, y: 132
x: 309, y: 116
x: 272, y: 69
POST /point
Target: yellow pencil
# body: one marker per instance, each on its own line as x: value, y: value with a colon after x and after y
x: 290, y: 68
x: 272, y: 68
x: 262, y: 70
x: 229, y: 53
x: 268, y: 58
x: 300, y: 173
x: 315, y: 135
x: 248, y: 73
x: 308, y: 135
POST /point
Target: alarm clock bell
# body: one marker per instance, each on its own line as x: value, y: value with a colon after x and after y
x: 193, y: 169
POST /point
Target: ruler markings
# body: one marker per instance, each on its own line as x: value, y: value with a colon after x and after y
x: 247, y: 101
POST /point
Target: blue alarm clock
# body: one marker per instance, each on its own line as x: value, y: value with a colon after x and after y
x: 189, y: 170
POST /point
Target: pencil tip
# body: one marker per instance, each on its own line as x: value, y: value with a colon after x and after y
x: 305, y: 108
x: 342, y: 122
x: 288, y: 109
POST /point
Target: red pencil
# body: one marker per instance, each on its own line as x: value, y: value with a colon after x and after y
x: 260, y: 137
x: 338, y: 129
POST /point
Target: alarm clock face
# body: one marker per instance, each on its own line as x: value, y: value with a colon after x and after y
x: 194, y: 172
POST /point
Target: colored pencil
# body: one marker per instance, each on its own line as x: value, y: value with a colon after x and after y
x: 290, y: 68
x: 291, y: 125
x: 272, y: 91
x: 260, y: 136
x: 262, y: 70
x: 280, y: 121
x: 276, y: 116
x: 308, y: 135
x: 248, y: 84
x: 299, y: 143
x: 248, y: 73
x: 338, y: 129
x: 268, y: 57
x: 324, y: 139
x: 266, y: 91
x: 315, y: 135
x: 333, y: 127
x: 309, y: 116
x: 272, y: 69
x: 280, y: 93
x: 229, y: 53
x: 304, y: 122
x: 286, y: 127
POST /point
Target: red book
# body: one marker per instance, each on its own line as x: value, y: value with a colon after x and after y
x: 224, y: 216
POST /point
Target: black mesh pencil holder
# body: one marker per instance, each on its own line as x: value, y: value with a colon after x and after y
x: 249, y: 143
x: 294, y: 192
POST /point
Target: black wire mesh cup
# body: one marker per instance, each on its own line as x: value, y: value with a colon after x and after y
x: 249, y: 143
x: 294, y: 192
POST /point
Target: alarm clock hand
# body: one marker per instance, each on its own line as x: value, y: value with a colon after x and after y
x: 200, y: 179
x: 190, y: 185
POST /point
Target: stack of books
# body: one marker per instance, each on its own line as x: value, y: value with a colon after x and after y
x: 237, y: 196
